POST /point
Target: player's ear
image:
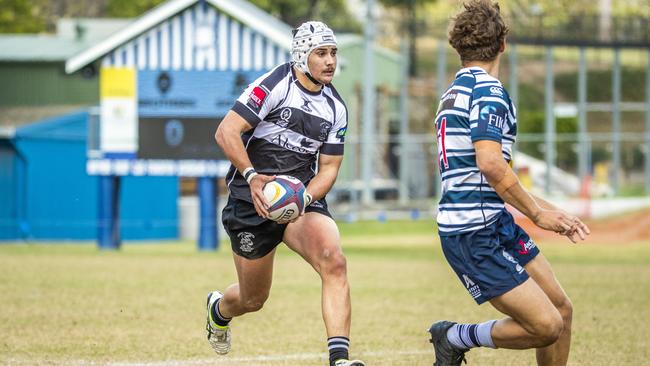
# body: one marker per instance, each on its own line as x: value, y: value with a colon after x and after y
x: 502, y: 48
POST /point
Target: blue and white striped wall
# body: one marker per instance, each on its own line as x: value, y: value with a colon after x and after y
x: 199, y: 38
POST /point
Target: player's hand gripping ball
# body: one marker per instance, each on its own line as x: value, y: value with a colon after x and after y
x: 286, y: 197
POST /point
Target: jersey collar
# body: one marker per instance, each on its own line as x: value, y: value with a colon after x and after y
x: 301, y: 87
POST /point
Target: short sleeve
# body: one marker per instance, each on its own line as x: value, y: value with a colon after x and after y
x: 488, y: 118
x: 336, y: 137
x: 261, y: 96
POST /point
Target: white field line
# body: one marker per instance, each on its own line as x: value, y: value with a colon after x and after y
x: 217, y: 360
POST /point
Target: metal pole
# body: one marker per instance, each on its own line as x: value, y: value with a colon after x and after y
x: 583, y: 168
x: 549, y: 140
x: 513, y: 81
x: 647, y: 125
x: 208, y: 234
x: 442, y: 87
x: 368, y: 107
x: 404, y: 125
x: 108, y: 230
x: 442, y: 67
x: 616, y: 120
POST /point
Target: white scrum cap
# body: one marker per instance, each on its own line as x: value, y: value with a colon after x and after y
x: 309, y: 36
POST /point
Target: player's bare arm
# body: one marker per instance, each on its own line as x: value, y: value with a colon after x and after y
x: 328, y: 169
x: 504, y: 181
x: 228, y: 137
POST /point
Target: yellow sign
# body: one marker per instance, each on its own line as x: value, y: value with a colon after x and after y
x: 117, y: 82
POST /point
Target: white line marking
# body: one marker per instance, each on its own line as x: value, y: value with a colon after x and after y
x: 217, y: 360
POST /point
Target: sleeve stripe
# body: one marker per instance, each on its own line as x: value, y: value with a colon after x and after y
x: 246, y: 113
x: 332, y: 149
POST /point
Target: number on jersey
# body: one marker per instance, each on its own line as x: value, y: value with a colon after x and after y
x: 442, y: 151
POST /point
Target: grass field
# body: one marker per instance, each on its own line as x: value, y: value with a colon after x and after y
x: 70, y: 304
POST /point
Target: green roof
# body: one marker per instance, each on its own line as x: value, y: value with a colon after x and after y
x: 18, y: 47
x: 73, y: 36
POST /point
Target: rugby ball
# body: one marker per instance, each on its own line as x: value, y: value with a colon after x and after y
x: 286, y: 198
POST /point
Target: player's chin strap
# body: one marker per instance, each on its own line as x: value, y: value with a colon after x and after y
x: 312, y: 79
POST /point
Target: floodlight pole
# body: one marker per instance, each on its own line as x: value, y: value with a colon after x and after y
x: 368, y: 194
x: 404, y: 125
x: 441, y: 88
x: 549, y: 144
x: 647, y: 125
x: 513, y: 83
x: 616, y: 120
x: 583, y: 168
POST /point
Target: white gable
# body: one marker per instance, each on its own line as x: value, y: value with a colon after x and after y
x: 199, y: 38
x: 195, y: 34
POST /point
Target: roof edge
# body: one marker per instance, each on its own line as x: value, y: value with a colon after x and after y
x: 139, y: 26
x: 247, y: 13
x: 250, y: 14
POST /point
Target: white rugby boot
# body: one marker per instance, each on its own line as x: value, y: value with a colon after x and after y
x: 218, y: 336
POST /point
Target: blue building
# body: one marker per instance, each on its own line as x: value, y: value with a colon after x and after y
x: 46, y: 194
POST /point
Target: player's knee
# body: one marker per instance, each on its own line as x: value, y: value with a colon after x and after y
x: 549, y: 329
x: 253, y: 304
x: 333, y: 263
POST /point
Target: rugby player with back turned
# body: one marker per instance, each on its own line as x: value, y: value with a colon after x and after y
x: 494, y: 258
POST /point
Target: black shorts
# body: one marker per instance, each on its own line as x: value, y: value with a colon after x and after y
x: 252, y: 236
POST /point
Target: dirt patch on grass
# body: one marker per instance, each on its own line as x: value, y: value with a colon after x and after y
x: 628, y: 228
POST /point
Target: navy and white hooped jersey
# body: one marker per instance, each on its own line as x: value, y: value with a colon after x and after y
x: 475, y: 107
x: 291, y: 126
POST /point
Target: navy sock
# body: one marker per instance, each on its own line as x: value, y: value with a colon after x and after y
x: 338, y: 347
x: 216, y: 315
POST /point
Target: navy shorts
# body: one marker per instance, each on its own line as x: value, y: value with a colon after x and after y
x: 490, y: 262
x: 252, y: 236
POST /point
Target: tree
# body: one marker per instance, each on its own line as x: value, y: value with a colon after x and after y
x: 409, y: 9
x: 21, y: 16
x: 295, y: 12
x: 129, y: 8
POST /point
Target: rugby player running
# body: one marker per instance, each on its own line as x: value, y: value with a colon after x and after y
x: 494, y: 258
x: 289, y: 121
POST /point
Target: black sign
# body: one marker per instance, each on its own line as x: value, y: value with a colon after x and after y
x: 178, y: 138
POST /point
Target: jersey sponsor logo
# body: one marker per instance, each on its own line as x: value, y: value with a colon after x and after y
x: 306, y: 143
x: 512, y: 260
x: 495, y: 90
x: 473, y: 289
x: 283, y: 141
x: 325, y: 128
x: 486, y: 111
x: 285, y: 115
x: 246, y: 241
x: 496, y: 120
x: 340, y: 134
x: 305, y: 107
x: 442, y: 131
x: 256, y: 97
x: 525, y: 247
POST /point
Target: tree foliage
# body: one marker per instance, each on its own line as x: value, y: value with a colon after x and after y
x: 129, y: 8
x: 294, y: 12
x: 21, y: 16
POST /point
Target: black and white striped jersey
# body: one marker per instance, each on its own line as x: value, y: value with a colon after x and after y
x: 291, y: 126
